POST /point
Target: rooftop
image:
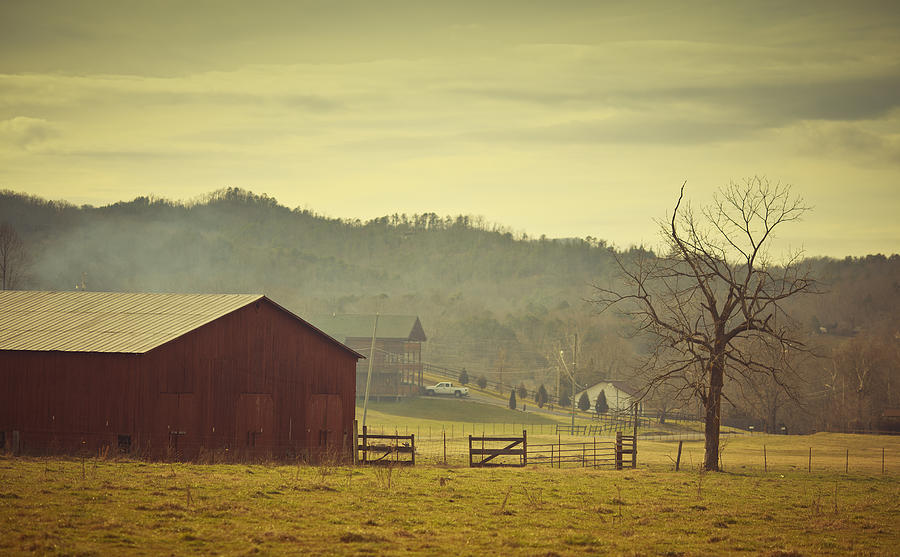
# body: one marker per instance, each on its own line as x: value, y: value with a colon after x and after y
x: 109, y: 321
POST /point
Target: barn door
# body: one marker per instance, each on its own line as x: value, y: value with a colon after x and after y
x: 325, y: 434
x: 255, y: 425
x: 178, y: 412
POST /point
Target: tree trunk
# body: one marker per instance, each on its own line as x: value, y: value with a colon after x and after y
x: 713, y: 413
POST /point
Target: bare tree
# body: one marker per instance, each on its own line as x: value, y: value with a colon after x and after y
x: 765, y: 396
x: 12, y: 258
x: 714, y: 295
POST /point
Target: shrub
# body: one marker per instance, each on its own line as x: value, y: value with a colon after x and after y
x: 541, y: 397
x: 521, y: 391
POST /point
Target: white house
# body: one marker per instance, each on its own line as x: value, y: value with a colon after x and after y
x: 620, y: 396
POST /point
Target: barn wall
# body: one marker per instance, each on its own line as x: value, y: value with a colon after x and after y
x: 256, y: 382
x: 65, y: 402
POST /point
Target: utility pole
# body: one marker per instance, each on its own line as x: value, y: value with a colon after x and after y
x: 574, y: 371
x: 369, y: 373
x: 572, y: 375
x: 557, y: 383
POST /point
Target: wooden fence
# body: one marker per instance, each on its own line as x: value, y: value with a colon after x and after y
x: 594, y: 454
x: 387, y: 449
x: 571, y: 429
x: 626, y: 444
x: 484, y: 456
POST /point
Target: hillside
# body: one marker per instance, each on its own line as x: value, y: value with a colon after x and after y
x: 490, y: 300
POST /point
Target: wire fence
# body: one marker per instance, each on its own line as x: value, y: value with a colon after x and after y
x: 739, y: 451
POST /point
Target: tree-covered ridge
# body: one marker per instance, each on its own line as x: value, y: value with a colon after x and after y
x: 239, y: 238
x: 500, y: 304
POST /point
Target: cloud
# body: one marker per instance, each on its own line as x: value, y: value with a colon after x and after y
x: 776, y: 103
x: 26, y: 132
x: 768, y: 103
x: 861, y: 142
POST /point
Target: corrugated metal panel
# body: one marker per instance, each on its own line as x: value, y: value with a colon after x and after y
x: 106, y: 321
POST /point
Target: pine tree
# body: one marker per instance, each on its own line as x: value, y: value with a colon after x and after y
x: 463, y: 377
x: 600, y: 405
x: 541, y: 396
x: 584, y: 402
x: 521, y: 391
x: 512, y: 399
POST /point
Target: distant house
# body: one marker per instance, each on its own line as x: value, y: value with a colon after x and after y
x: 397, y: 361
x: 890, y: 419
x: 170, y: 375
x: 620, y: 396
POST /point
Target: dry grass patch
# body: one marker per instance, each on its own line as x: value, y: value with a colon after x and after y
x: 130, y: 507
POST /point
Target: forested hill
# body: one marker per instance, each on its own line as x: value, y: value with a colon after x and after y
x: 236, y: 241
x: 477, y: 286
x: 489, y: 299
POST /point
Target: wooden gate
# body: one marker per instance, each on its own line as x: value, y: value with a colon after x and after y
x: 387, y: 449
x: 488, y: 454
x: 626, y: 444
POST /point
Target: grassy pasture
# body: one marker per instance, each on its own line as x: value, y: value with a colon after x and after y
x: 101, y: 507
x: 427, y: 418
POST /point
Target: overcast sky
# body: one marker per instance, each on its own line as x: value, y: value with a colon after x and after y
x: 557, y: 118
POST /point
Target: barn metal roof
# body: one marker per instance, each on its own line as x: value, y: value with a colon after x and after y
x: 344, y: 326
x: 106, y: 321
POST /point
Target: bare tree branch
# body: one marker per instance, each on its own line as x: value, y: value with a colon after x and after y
x: 714, y: 298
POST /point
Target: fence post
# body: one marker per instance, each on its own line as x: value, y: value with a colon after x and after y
x: 365, y: 444
x: 765, y: 460
x: 678, y: 458
x: 524, y: 447
x: 412, y: 442
x: 470, y: 451
x: 809, y: 464
x: 634, y: 446
x: 618, y: 450
x: 355, y: 460
x: 847, y: 462
x: 882, y: 460
x: 444, y: 437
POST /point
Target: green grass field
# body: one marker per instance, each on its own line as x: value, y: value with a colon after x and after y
x: 106, y: 507
x: 54, y: 506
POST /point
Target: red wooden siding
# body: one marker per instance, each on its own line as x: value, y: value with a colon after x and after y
x: 255, y: 382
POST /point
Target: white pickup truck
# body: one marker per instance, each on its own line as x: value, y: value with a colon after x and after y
x: 446, y: 388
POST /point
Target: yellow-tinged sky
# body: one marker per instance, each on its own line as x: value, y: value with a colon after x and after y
x: 557, y: 118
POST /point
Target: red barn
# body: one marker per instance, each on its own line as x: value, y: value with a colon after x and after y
x: 170, y: 375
